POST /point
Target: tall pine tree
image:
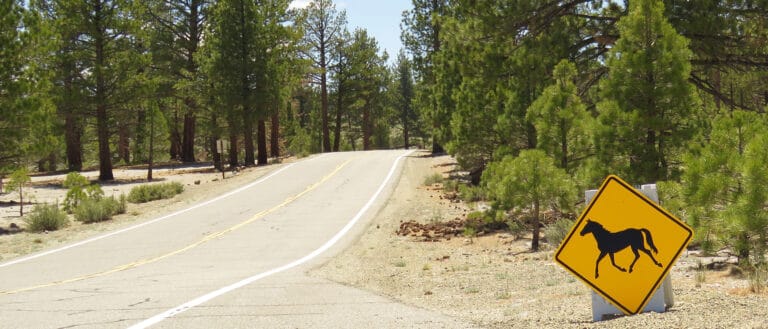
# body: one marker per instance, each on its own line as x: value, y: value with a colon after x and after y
x: 649, y: 110
x: 322, y: 25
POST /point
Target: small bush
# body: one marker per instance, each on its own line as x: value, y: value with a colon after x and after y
x: 556, y: 232
x: 470, y: 233
x: 46, y: 217
x: 122, y: 205
x: 301, y: 143
x: 79, y: 189
x: 433, y: 179
x: 470, y: 193
x: 450, y: 185
x: 758, y: 278
x: 476, y: 216
x: 147, y: 193
x: 97, y: 210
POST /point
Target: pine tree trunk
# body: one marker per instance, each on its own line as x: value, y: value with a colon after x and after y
x: 188, y: 141
x: 44, y: 164
x: 250, y: 158
x: 124, y: 144
x: 21, y: 200
x: 324, y: 96
x: 217, y: 158
x: 337, y: 130
x: 105, y: 156
x: 563, y: 145
x: 436, y: 29
x: 72, y: 138
x: 151, y: 156
x: 261, y: 141
x: 140, y: 133
x: 102, y: 119
x: 218, y: 162
x: 51, y: 161
x: 190, y: 119
x: 536, y: 228
x: 274, y: 138
x: 175, y: 151
x: 406, y: 142
x: 233, y: 150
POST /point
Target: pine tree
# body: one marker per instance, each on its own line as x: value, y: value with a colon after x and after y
x: 563, y: 125
x: 529, y: 181
x: 724, y: 184
x: 27, y: 124
x: 404, y: 98
x: 421, y: 29
x: 322, y: 24
x: 341, y: 84
x: 178, y: 34
x: 19, y: 179
x: 367, y: 78
x: 11, y: 88
x: 245, y: 56
x: 100, y: 68
x: 649, y: 110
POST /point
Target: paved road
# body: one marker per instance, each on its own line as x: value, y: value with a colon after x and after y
x: 235, y: 262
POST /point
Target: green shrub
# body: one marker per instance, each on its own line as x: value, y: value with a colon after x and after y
x: 450, y: 185
x: 300, y: 144
x: 79, y: 189
x: 46, y: 217
x: 470, y: 193
x: 758, y: 279
x: 122, y: 205
x: 97, y: 209
x: 147, y: 193
x: 433, y: 179
x: 476, y: 216
x: 556, y: 232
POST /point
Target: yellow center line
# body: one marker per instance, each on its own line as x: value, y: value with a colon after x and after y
x: 205, y: 239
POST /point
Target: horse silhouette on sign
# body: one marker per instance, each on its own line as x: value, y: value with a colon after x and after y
x: 610, y: 243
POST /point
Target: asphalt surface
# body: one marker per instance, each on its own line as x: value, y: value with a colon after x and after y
x: 235, y: 262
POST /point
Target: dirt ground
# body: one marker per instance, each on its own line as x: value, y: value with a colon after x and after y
x: 490, y: 280
x: 495, y: 282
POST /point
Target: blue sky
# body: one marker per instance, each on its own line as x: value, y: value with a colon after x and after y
x: 380, y: 17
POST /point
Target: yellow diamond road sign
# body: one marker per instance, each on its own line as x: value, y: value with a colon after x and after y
x: 623, y: 245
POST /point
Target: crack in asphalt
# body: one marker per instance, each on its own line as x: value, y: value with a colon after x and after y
x: 146, y: 300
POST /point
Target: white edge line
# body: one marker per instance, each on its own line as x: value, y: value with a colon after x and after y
x: 131, y: 228
x: 213, y: 294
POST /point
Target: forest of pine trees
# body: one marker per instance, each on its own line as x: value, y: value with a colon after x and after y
x: 98, y: 84
x: 655, y: 91
x: 667, y: 91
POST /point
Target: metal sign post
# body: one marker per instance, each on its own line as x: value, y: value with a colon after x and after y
x: 623, y: 247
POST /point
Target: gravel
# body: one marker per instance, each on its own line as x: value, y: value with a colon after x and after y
x: 494, y: 282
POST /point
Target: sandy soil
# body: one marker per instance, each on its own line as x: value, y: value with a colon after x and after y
x: 200, y: 182
x: 493, y: 281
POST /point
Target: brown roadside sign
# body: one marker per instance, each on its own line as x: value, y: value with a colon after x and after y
x: 623, y: 245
